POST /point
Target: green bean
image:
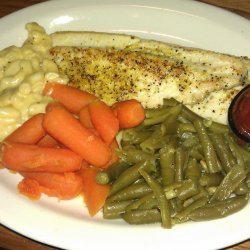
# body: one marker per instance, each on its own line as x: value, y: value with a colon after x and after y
x: 207, y: 122
x: 113, y: 210
x: 183, y: 215
x: 133, y: 155
x: 202, y: 193
x: 154, y: 142
x: 219, y: 209
x: 183, y: 190
x: 189, y: 115
x: 189, y: 140
x: 169, y: 126
x: 156, y: 112
x: 170, y: 190
x: 211, y: 190
x: 150, y: 203
x: 185, y: 127
x: 230, y: 182
x: 170, y: 102
x: 173, y: 208
x: 211, y: 180
x: 223, y: 152
x: 176, y: 166
x: 180, y: 159
x: 131, y: 192
x: 192, y: 170
x: 217, y: 128
x: 137, y: 217
x: 247, y: 165
x: 176, y: 110
x: 187, y: 189
x: 207, y: 146
x: 160, y: 196
x: 171, y: 141
x: 112, y: 173
x: 134, y: 136
x: 235, y: 151
x: 203, y: 165
x: 195, y: 153
x: 248, y: 179
x: 158, y: 117
x: 178, y: 205
x: 242, y: 189
x: 141, y: 201
x: 245, y: 153
x: 182, y: 119
x: 167, y: 165
x: 140, y: 180
x: 155, y: 120
x: 129, y: 176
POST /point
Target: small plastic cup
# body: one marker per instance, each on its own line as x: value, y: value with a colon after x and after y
x: 239, y: 114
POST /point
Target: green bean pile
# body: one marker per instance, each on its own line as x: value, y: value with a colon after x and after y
x: 176, y: 167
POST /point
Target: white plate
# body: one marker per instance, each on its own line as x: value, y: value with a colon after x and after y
x: 66, y: 224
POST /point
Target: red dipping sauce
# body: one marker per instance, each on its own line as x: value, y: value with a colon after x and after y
x: 239, y: 114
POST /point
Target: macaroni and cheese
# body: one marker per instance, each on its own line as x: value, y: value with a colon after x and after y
x: 23, y: 73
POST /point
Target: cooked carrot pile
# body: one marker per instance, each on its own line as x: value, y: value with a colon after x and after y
x: 59, y: 153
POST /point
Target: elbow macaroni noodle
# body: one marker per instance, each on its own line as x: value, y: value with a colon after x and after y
x: 23, y: 73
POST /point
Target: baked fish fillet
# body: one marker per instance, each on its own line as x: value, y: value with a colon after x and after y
x: 118, y: 67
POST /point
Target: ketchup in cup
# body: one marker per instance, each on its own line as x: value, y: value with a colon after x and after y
x: 239, y: 114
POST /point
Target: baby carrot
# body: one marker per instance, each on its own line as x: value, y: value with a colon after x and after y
x: 51, y: 105
x: 29, y: 132
x: 63, y: 126
x: 48, y: 141
x: 72, y: 98
x: 94, y: 194
x: 104, y: 120
x: 30, y: 188
x: 84, y: 117
x: 62, y: 185
x: 25, y: 157
x: 114, y: 157
x: 130, y: 113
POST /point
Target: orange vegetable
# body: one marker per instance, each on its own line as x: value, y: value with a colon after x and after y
x: 94, y: 194
x: 30, y: 188
x: 130, y: 113
x: 114, y: 157
x: 85, y: 119
x: 25, y: 157
x: 51, y: 105
x: 104, y: 120
x: 29, y: 132
x: 63, y: 126
x: 72, y: 98
x: 48, y: 141
x: 62, y: 185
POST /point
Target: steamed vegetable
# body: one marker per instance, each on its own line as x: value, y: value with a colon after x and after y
x: 61, y: 185
x: 33, y: 158
x: 94, y: 194
x: 62, y: 125
x: 29, y: 132
x: 72, y: 98
x: 104, y: 121
x: 129, y: 113
x: 176, y: 167
x: 59, y: 153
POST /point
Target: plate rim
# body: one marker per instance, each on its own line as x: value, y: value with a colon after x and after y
x: 27, y: 9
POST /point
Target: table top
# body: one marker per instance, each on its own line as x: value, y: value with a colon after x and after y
x: 12, y: 241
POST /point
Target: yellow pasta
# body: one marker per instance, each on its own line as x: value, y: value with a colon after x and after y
x: 23, y: 73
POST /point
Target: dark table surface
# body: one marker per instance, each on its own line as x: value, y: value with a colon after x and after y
x: 13, y: 241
